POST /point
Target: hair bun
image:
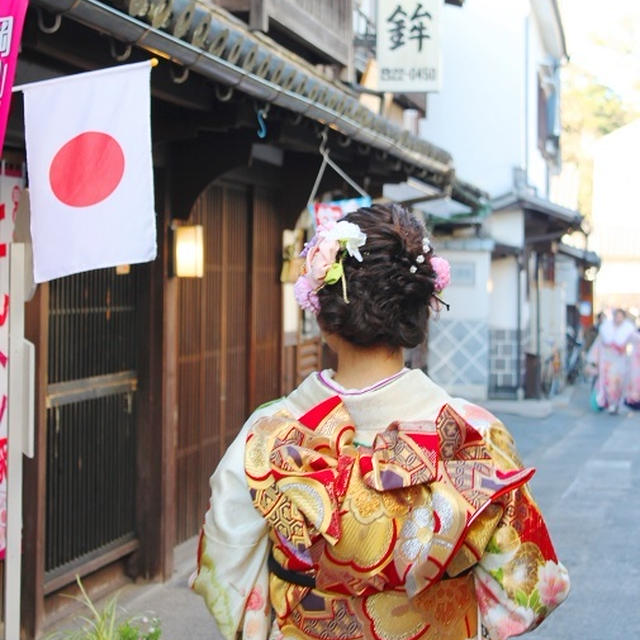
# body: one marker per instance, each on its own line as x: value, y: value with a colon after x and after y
x: 389, y: 291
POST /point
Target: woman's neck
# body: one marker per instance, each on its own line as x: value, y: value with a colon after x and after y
x: 360, y: 367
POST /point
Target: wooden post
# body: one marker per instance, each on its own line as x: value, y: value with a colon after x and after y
x: 36, y: 330
x: 157, y: 412
x: 19, y: 419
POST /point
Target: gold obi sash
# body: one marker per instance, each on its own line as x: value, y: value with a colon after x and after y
x: 382, y: 528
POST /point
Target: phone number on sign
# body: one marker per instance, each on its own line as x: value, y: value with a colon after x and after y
x: 411, y: 73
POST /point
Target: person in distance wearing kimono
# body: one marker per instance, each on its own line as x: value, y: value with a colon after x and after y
x: 608, y: 357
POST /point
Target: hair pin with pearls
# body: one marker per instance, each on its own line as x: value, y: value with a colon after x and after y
x: 426, y: 247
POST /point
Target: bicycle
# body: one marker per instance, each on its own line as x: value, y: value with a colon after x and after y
x: 575, y: 358
x: 550, y: 376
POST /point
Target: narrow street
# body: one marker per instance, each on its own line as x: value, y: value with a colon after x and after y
x: 587, y: 482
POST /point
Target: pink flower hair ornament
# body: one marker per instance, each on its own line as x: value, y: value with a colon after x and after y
x: 324, y: 256
x: 443, y: 273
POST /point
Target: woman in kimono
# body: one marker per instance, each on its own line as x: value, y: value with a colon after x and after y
x: 632, y: 396
x: 368, y: 503
x: 608, y: 356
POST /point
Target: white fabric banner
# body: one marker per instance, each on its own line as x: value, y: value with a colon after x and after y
x: 11, y: 186
x: 90, y: 170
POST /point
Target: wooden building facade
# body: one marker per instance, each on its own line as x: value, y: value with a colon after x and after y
x: 143, y: 379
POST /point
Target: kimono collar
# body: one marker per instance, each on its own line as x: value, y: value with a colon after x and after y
x: 410, y: 396
x: 616, y: 334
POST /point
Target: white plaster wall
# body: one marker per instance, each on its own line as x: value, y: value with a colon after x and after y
x: 479, y: 115
x: 567, y: 275
x: 536, y: 164
x: 468, y: 302
x: 503, y: 313
x: 507, y: 227
x: 616, y: 159
x: 290, y: 309
x: 616, y: 216
x: 553, y: 320
x: 619, y: 277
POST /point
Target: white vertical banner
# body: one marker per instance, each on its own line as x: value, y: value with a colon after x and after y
x: 11, y: 186
x: 408, y: 45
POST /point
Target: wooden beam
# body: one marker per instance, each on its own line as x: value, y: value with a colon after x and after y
x: 235, y: 6
x: 258, y: 16
x: 75, y: 47
x: 169, y: 424
x: 197, y: 163
x: 332, y: 41
x: 36, y: 330
x: 62, y: 579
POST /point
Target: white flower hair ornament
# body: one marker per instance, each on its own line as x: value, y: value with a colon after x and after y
x: 324, y: 256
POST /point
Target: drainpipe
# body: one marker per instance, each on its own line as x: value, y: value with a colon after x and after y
x: 519, y: 266
x: 538, y: 330
x: 526, y: 100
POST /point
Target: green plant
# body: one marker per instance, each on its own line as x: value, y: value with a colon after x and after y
x: 108, y: 623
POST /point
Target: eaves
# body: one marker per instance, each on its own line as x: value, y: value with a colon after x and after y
x: 226, y: 52
x: 528, y: 202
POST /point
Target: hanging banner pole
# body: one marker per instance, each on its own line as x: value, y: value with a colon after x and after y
x: 15, y: 411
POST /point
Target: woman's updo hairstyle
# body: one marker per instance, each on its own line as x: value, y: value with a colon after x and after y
x: 389, y: 292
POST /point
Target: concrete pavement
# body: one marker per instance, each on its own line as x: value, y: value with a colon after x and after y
x: 587, y: 484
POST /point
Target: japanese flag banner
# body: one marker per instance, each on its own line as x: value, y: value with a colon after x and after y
x: 88, y: 139
x: 11, y: 22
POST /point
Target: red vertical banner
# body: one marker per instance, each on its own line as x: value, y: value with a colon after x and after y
x: 12, y: 14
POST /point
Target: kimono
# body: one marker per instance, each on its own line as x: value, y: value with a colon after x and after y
x: 632, y: 393
x: 609, y: 354
x: 390, y: 513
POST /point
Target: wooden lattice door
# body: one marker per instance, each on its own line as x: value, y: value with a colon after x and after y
x: 229, y: 336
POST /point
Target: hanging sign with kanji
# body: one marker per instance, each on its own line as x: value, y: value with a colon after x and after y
x: 408, y: 45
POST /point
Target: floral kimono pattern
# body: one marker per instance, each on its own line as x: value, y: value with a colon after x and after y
x: 609, y: 354
x: 402, y: 539
x: 632, y: 393
x: 386, y: 528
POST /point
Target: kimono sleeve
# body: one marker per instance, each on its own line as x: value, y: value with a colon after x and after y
x: 593, y: 355
x: 518, y: 579
x: 232, y: 574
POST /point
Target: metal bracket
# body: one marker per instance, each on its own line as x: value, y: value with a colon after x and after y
x: 324, y: 136
x: 262, y: 115
x: 224, y: 96
x: 57, y: 21
x: 182, y: 78
x: 119, y: 57
x: 326, y: 160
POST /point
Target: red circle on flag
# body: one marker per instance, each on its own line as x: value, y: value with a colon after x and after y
x: 86, y: 169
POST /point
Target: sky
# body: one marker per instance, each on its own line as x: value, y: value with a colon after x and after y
x: 604, y: 38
